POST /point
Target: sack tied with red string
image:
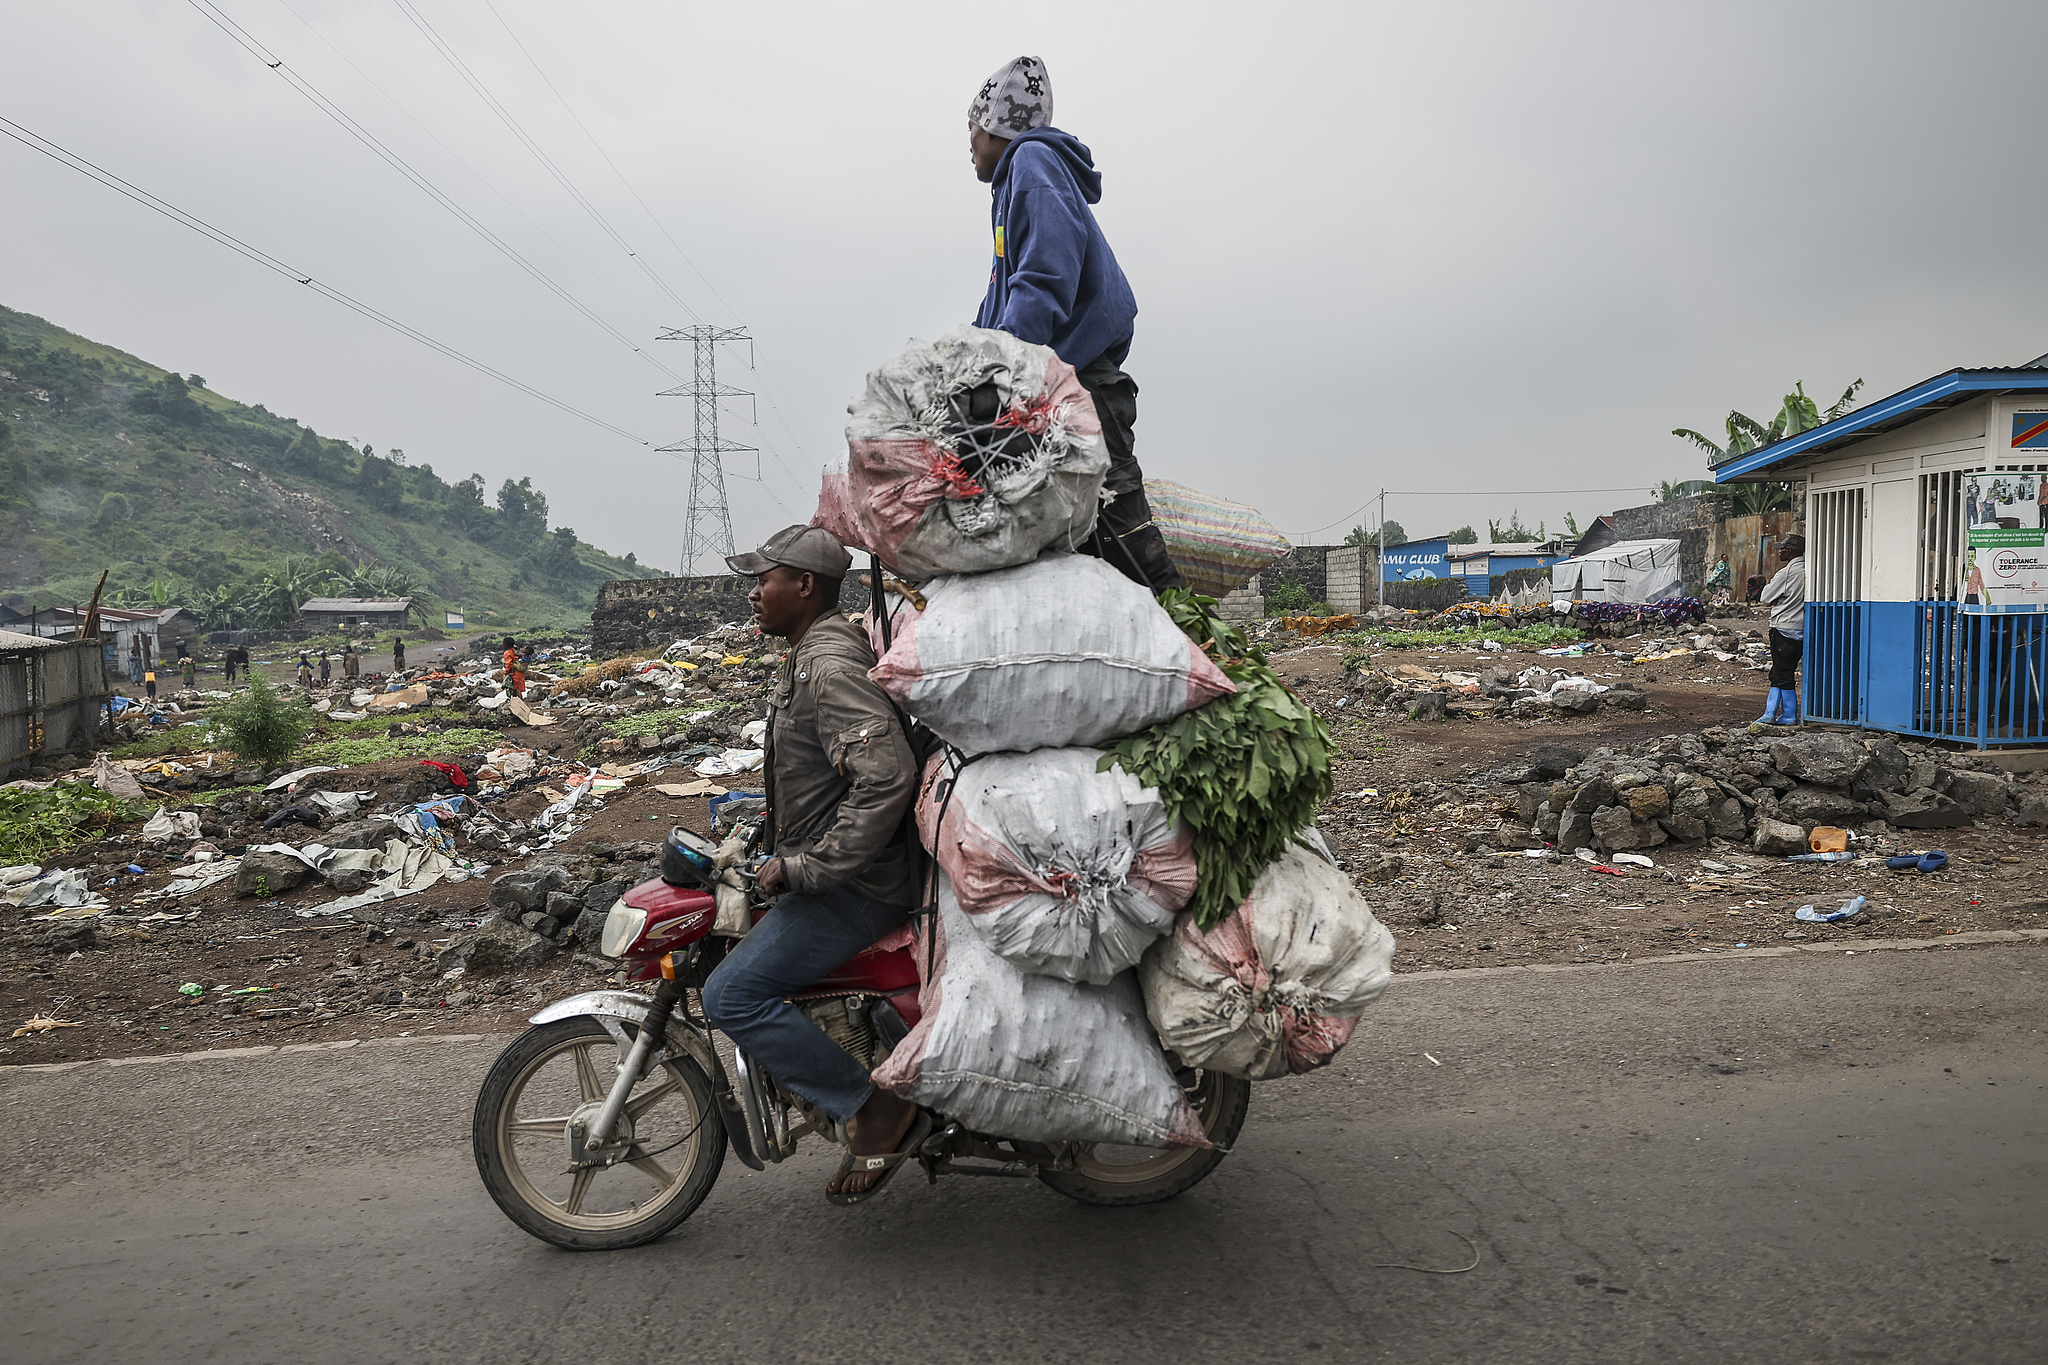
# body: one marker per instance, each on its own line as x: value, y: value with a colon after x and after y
x: 970, y: 453
x: 1278, y: 985
x: 1062, y: 870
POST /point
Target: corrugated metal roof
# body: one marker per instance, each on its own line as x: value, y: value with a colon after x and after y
x: 357, y: 604
x: 1886, y: 414
x: 13, y: 640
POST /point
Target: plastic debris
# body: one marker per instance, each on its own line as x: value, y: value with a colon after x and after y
x: 1635, y: 859
x: 42, y: 1023
x: 1813, y: 916
x: 191, y: 988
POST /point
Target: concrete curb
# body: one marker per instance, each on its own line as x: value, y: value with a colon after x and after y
x: 1847, y: 946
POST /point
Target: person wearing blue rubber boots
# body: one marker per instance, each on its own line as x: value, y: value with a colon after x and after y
x: 1786, y: 597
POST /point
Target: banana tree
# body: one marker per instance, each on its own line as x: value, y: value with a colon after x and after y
x: 1796, y: 413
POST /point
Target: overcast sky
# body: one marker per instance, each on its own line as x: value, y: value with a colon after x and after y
x: 1440, y: 249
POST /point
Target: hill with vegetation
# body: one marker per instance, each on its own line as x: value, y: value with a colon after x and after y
x: 191, y: 499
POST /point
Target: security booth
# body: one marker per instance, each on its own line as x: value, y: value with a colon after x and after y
x: 1927, y: 584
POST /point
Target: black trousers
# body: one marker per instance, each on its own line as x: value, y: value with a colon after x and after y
x: 1785, y: 653
x: 1125, y: 536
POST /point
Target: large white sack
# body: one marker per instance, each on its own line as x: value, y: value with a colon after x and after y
x: 1059, y: 652
x: 934, y: 488
x: 1278, y: 985
x: 1015, y: 1055
x: 1064, y: 870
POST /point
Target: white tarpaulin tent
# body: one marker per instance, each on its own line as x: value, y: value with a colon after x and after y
x: 1626, y: 571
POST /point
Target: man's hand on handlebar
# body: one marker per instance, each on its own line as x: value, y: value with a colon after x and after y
x: 769, y: 878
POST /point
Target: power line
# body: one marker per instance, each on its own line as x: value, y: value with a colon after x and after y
x: 1461, y: 493
x: 37, y: 142
x: 463, y: 162
x: 512, y: 124
x: 774, y: 380
x: 250, y: 44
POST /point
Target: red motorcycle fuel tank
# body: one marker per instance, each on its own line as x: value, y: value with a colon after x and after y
x: 655, y: 918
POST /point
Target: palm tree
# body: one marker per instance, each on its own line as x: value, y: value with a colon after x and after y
x: 285, y: 589
x: 1796, y: 414
x: 1667, y: 491
x: 1756, y: 499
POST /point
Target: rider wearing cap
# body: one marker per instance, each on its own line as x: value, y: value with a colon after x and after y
x: 841, y: 777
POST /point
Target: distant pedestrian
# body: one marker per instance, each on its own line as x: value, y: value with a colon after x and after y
x: 135, y: 658
x: 351, y: 662
x: 305, y: 672
x: 190, y: 670
x: 515, y: 669
x: 149, y: 682
x: 1786, y: 597
x: 397, y: 654
x: 325, y: 671
x: 228, y: 662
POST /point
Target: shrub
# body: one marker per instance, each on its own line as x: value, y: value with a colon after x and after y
x: 259, y: 725
x: 1288, y: 598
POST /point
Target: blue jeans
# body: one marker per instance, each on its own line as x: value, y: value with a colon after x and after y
x: 801, y: 939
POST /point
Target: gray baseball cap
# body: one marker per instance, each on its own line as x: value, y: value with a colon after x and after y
x: 810, y: 548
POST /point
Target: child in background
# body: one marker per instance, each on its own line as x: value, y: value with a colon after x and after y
x: 149, y: 682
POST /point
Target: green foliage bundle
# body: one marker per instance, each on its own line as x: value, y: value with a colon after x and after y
x: 350, y: 752
x: 1247, y: 771
x: 34, y: 823
x: 259, y: 725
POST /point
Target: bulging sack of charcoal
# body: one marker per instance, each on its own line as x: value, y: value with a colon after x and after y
x: 1063, y: 870
x: 1060, y: 652
x: 1034, y: 1057
x: 970, y: 453
x: 1278, y: 985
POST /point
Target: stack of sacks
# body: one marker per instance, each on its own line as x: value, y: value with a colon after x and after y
x: 975, y: 467
x: 1278, y: 986
x: 974, y: 452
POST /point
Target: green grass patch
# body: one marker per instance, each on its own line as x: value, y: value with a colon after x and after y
x: 665, y: 721
x: 349, y: 752
x: 34, y: 824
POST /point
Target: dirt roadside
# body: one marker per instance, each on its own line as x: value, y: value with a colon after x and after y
x: 1408, y: 796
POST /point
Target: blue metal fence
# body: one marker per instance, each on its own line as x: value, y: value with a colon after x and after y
x: 1926, y: 668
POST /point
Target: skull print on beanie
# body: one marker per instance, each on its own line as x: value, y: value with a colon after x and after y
x: 1016, y: 99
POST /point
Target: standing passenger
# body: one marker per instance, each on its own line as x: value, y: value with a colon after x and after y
x: 1786, y: 597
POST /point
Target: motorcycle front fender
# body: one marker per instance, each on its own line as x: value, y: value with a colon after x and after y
x: 634, y: 1009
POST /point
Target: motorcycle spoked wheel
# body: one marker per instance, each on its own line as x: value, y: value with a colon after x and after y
x: 548, y: 1072
x: 1106, y: 1174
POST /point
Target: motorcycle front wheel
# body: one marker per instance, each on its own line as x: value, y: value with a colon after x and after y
x: 1106, y: 1174
x: 672, y: 1122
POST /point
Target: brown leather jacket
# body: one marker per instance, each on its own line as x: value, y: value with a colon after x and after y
x: 841, y: 775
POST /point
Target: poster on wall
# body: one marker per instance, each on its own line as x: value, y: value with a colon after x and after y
x: 2012, y: 501
x: 2005, y: 569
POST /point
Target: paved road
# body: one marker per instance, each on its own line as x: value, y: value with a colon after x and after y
x: 1801, y: 1159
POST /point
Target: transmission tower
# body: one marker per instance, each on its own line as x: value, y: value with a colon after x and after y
x: 707, y: 524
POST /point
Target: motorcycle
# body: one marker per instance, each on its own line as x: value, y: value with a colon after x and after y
x: 590, y: 1163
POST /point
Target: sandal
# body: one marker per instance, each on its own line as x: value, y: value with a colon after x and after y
x: 887, y: 1162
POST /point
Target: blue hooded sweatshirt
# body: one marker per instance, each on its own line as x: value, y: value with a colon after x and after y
x: 1055, y: 281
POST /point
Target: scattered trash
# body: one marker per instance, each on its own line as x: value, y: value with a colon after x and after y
x: 1813, y: 916
x: 165, y: 826
x: 1832, y: 857
x: 1934, y: 860
x: 42, y: 1023
x: 1634, y: 859
x: 1827, y: 839
x: 191, y: 988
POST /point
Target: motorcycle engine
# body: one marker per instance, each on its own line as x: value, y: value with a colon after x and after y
x: 844, y: 1019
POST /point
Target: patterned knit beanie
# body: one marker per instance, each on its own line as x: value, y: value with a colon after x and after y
x: 1016, y: 99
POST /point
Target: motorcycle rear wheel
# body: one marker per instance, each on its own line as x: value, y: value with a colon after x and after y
x: 1105, y: 1174
x: 522, y: 1153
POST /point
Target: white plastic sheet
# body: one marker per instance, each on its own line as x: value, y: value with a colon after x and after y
x: 1033, y: 1057
x: 1278, y: 985
x: 1066, y: 871
x: 1060, y: 652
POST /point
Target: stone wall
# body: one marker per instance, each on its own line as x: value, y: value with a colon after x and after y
x: 1348, y: 578
x: 1694, y: 522
x: 642, y: 613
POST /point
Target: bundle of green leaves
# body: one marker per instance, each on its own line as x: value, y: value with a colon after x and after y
x: 1246, y: 771
x: 36, y: 823
x: 259, y: 725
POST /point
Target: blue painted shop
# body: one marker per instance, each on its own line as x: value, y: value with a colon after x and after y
x: 1476, y: 565
x: 1927, y: 583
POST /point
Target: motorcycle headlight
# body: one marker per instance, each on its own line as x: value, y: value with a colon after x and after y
x: 622, y: 929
